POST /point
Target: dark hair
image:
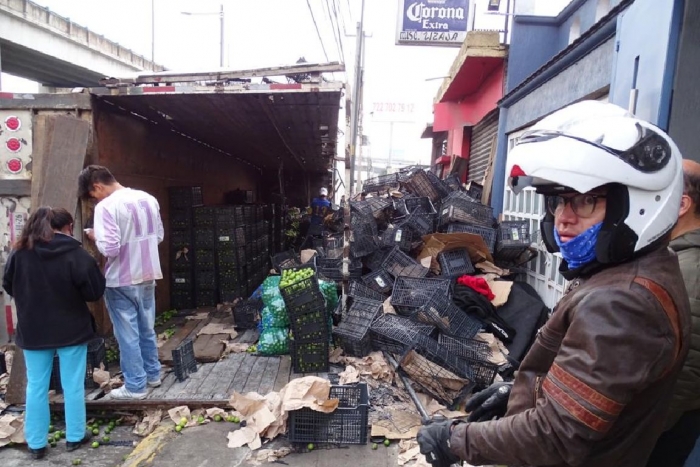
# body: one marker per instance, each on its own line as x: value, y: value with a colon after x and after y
x: 41, y: 225
x: 93, y: 174
x: 691, y: 187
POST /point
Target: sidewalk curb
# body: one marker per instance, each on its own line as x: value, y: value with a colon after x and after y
x: 148, y: 448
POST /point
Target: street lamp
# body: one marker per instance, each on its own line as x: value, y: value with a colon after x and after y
x: 221, y: 18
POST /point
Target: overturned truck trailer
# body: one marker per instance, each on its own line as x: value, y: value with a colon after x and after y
x: 273, y: 140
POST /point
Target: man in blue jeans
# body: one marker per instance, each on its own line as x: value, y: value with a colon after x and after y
x: 128, y: 229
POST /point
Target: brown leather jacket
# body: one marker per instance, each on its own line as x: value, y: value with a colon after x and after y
x: 595, y: 387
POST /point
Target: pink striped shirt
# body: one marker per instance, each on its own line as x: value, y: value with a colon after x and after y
x: 128, y: 230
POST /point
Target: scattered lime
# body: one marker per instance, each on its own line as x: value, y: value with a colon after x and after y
x: 95, y: 431
x: 310, y: 446
x: 236, y: 420
x: 95, y: 444
x: 119, y: 422
x: 178, y: 428
x: 200, y: 419
x: 51, y: 428
x: 52, y: 444
x: 77, y: 462
x: 387, y: 442
x: 183, y: 421
x: 217, y: 418
x: 62, y: 434
x: 374, y: 446
x: 105, y: 439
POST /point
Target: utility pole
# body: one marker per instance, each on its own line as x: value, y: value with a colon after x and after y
x: 221, y: 17
x: 357, y: 98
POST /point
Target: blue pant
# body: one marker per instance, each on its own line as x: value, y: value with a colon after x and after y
x: 132, y: 310
x: 72, y: 361
x: 694, y: 458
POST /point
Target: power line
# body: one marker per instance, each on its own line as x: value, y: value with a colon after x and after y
x: 349, y: 10
x: 327, y: 10
x: 337, y: 27
x: 317, y: 31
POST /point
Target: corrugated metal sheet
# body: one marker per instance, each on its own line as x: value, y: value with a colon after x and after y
x: 482, y: 140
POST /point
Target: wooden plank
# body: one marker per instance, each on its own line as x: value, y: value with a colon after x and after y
x: 209, y: 348
x: 194, y: 381
x: 217, y: 383
x: 91, y: 395
x: 267, y: 383
x: 283, y: 372
x: 62, y: 145
x: 165, y: 385
x: 256, y: 375
x: 17, y: 386
x: 241, y: 377
x: 251, y: 336
x: 165, y: 351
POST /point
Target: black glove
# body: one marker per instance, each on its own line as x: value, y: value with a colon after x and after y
x: 434, y: 442
x: 490, y: 403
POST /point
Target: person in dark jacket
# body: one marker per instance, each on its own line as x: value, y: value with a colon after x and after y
x: 595, y: 387
x: 50, y: 278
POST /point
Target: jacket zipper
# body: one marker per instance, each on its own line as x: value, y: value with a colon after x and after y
x: 536, y: 392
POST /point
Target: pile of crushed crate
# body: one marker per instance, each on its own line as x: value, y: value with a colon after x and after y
x: 433, y: 340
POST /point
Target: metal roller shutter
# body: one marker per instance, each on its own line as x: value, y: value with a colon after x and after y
x: 482, y: 137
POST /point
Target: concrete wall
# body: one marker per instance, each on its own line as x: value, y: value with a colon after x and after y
x: 685, y: 112
x: 144, y: 157
x: 584, y: 78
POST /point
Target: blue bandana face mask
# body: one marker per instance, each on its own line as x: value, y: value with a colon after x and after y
x: 580, y: 250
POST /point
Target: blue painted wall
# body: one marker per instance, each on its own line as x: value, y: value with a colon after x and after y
x: 646, y: 30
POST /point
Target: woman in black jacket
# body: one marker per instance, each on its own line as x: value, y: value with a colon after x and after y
x: 51, y: 277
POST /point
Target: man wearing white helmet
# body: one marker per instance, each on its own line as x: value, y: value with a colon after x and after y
x: 595, y: 387
x: 320, y: 207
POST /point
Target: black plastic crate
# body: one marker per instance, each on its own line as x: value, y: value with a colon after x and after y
x: 286, y: 259
x: 352, y: 334
x: 309, y: 357
x: 332, y: 269
x: 181, y: 299
x: 333, y: 246
x: 227, y: 258
x: 441, y: 312
x: 96, y: 355
x: 181, y: 280
x: 229, y: 216
x: 432, y: 376
x: 205, y: 297
x: 410, y: 293
x: 204, y: 237
x: 420, y: 184
x: 513, y: 239
x: 455, y: 263
x: 229, y: 237
x: 347, y: 424
x: 180, y: 219
x: 359, y: 290
x: 375, y: 260
x: 440, y: 186
x: 431, y: 349
x: 230, y: 295
x: 476, y: 353
x: 184, y: 362
x: 185, y: 196
x: 205, y: 217
x: 229, y: 278
x: 179, y: 239
x: 398, y: 263
x: 459, y: 207
x: 420, y: 224
x: 374, y: 207
x: 420, y: 205
x: 487, y: 233
x: 364, y: 235
x: 302, y: 295
x: 394, y: 334
x: 246, y: 313
x: 205, y: 259
x: 311, y: 325
x: 475, y: 190
x: 454, y: 182
x: 398, y: 235
x: 205, y: 279
x: 181, y: 259
x: 380, y: 183
x: 379, y: 281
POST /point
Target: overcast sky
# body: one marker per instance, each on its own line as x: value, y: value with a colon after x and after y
x: 261, y: 33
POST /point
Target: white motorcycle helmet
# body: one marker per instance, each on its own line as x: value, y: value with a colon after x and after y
x: 323, y: 191
x: 591, y: 144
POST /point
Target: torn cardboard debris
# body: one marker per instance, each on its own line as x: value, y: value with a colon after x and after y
x: 149, y: 423
x: 349, y: 376
x: 217, y: 328
x: 11, y: 429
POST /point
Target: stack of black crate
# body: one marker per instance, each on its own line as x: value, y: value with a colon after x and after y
x: 182, y: 201
x: 231, y: 236
x: 206, y: 290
